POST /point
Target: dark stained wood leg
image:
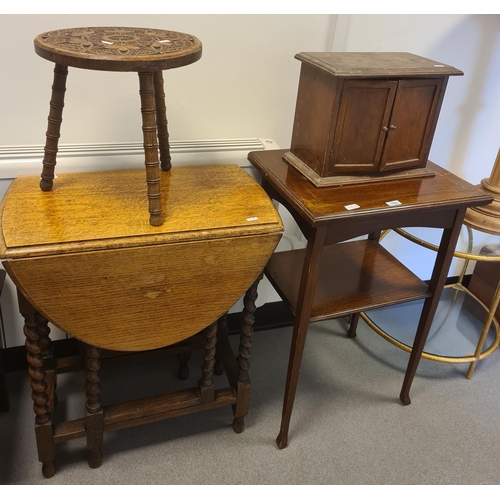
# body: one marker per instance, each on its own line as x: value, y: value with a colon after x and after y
x: 375, y: 236
x: 353, y: 325
x: 222, y: 332
x: 354, y: 318
x: 53, y: 127
x: 183, y: 371
x: 41, y: 400
x: 307, y: 288
x: 240, y: 409
x: 206, y: 383
x: 45, y: 342
x: 162, y: 122
x: 150, y: 147
x: 438, y: 280
x: 94, y: 421
x: 4, y: 393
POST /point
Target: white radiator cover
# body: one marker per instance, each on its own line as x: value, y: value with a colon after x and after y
x: 27, y: 160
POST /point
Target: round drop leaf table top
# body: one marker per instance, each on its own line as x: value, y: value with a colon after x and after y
x: 119, y: 48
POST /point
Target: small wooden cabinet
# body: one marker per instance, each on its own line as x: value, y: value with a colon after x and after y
x: 363, y: 117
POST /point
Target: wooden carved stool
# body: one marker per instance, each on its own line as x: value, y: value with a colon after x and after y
x: 145, y: 51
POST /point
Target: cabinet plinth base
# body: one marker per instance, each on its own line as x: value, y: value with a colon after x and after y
x: 342, y: 180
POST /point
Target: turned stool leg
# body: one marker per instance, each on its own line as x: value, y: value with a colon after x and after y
x: 161, y: 121
x: 94, y: 421
x: 53, y: 127
x: 206, y: 383
x: 150, y: 147
x: 240, y: 409
x: 41, y: 401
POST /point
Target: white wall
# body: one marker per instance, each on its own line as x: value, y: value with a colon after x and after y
x: 467, y: 136
x: 246, y: 82
x: 243, y: 86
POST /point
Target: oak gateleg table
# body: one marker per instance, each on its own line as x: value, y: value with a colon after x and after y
x: 84, y: 258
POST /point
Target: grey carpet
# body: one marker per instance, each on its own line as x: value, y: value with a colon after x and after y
x: 348, y: 426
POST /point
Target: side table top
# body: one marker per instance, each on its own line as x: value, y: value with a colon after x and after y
x: 324, y: 204
x: 119, y: 48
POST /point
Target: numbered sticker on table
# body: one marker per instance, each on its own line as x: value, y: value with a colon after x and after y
x: 352, y: 206
x: 393, y: 203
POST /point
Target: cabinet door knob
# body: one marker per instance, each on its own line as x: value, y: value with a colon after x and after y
x: 385, y: 129
x: 393, y: 127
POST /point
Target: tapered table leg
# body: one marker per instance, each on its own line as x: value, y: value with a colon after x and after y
x: 436, y: 285
x: 353, y: 325
x: 183, y: 370
x: 305, y: 300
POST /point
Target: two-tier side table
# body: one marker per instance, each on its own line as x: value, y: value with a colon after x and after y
x: 334, y: 277
x: 145, y: 51
x: 84, y: 258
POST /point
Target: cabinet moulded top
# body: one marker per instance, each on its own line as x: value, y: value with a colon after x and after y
x: 376, y: 64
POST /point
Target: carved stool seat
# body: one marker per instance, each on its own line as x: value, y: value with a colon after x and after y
x: 145, y: 51
x: 84, y: 259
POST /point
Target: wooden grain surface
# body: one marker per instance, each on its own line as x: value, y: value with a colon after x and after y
x: 115, y: 48
x: 353, y: 276
x: 370, y: 64
x: 133, y: 299
x: 85, y: 256
x: 102, y: 210
x: 322, y: 205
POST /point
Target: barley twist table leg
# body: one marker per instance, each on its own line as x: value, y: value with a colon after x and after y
x: 222, y: 333
x: 94, y: 421
x: 37, y: 373
x: 240, y: 409
x: 152, y: 163
x: 206, y: 383
x: 53, y: 127
x: 46, y: 346
x: 161, y: 121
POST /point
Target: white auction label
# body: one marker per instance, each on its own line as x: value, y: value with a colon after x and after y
x: 393, y: 203
x: 352, y: 206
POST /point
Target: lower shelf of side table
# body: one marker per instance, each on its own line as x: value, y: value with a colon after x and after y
x: 354, y: 276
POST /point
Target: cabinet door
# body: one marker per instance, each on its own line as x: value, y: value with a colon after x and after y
x: 412, y: 124
x: 364, y: 111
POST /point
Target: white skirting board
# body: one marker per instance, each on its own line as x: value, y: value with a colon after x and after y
x: 27, y: 160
